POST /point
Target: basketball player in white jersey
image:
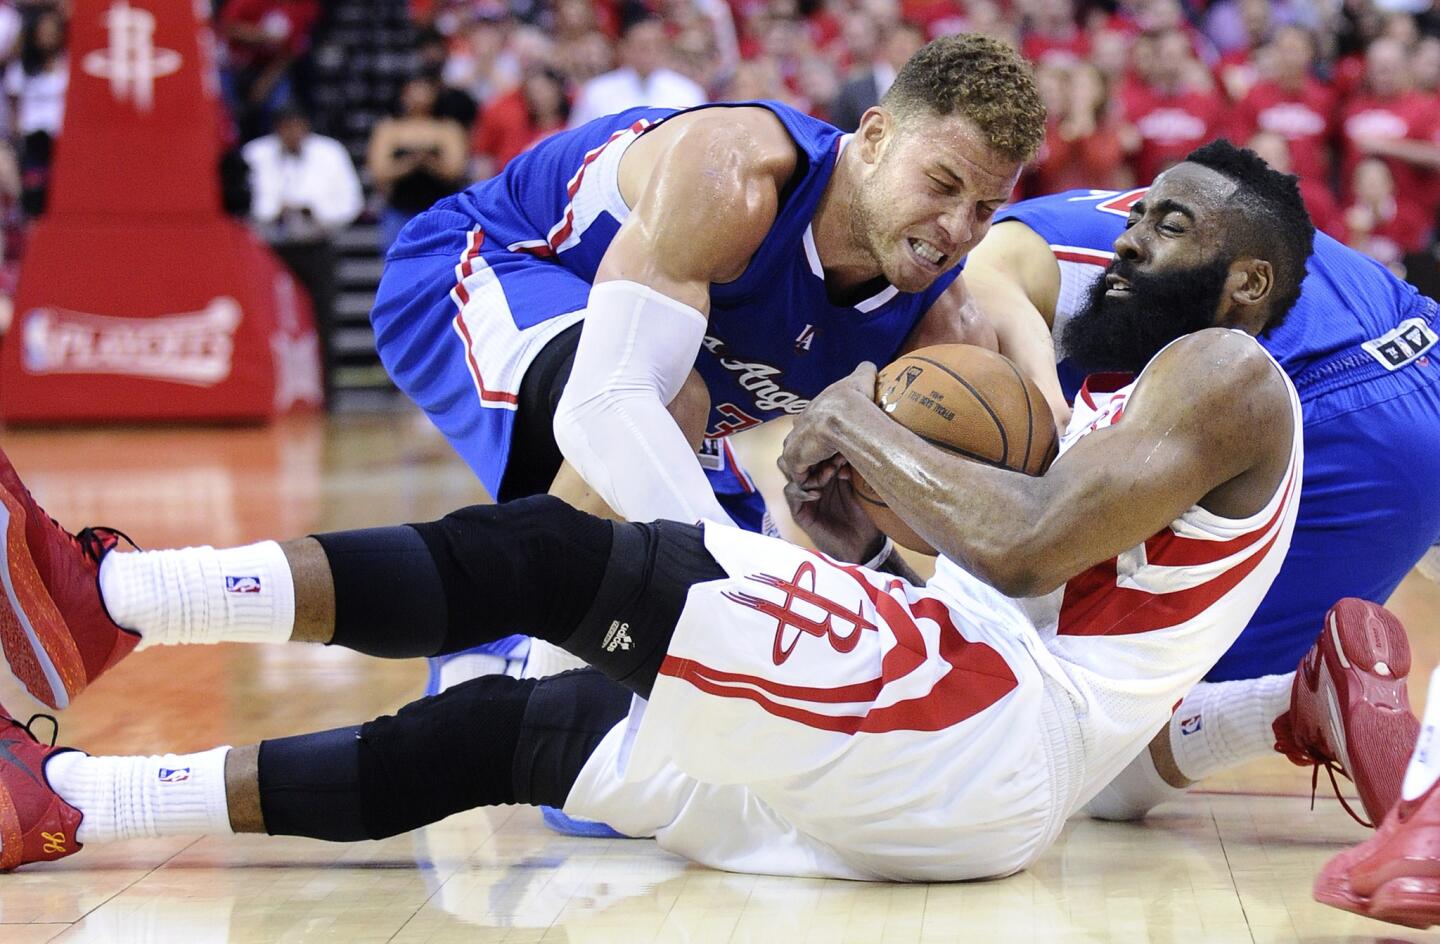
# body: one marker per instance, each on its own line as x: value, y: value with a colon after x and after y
x: 1363, y: 521
x: 798, y: 715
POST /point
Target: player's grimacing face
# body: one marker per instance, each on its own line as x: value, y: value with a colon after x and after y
x: 930, y: 198
x: 1178, y: 223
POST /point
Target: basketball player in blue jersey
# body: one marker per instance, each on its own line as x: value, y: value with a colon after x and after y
x: 726, y: 264
x: 1359, y: 348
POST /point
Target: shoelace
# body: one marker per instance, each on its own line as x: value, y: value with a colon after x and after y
x: 54, y: 727
x: 1330, y: 768
x: 92, y: 541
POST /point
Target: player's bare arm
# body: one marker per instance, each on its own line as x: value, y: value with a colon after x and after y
x: 954, y: 318
x: 1013, y: 278
x: 1186, y: 439
x: 704, y: 189
x: 704, y: 193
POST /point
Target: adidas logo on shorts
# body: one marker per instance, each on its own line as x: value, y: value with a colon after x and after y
x: 618, y: 637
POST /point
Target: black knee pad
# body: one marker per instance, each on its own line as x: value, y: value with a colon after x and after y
x: 442, y: 754
x: 532, y: 565
x: 567, y: 717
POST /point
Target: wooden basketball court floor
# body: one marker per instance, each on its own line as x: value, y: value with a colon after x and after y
x: 1231, y: 863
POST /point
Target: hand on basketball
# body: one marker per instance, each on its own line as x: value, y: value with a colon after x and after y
x: 813, y: 440
x: 834, y: 519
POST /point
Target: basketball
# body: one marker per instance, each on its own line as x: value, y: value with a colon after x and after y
x: 969, y: 401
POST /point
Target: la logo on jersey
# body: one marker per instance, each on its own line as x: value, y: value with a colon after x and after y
x: 802, y: 342
x: 242, y: 584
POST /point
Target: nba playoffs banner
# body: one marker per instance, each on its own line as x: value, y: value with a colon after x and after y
x: 138, y: 298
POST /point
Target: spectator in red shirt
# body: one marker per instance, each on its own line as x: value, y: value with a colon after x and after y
x: 1379, y: 225
x: 1051, y: 36
x: 1110, y: 53
x: 1085, y: 143
x: 1292, y: 103
x: 1388, y: 120
x: 513, y: 122
x: 1425, y: 65
x: 263, y: 38
x: 1236, y: 70
x: 1319, y: 200
x: 1171, y: 116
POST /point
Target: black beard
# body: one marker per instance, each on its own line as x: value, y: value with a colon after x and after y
x: 1123, y: 333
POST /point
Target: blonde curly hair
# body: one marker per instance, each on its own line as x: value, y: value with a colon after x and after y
x: 979, y: 78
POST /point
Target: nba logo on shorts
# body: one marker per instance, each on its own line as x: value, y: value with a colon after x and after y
x: 1191, y: 724
x: 242, y: 584
x: 174, y: 774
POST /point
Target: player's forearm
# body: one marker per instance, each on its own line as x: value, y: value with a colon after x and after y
x: 612, y: 425
x: 1023, y: 335
x: 628, y: 448
x: 972, y: 513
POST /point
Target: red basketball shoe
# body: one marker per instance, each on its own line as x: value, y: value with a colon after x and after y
x: 1395, y: 874
x: 35, y: 824
x: 55, y: 633
x: 1349, y: 708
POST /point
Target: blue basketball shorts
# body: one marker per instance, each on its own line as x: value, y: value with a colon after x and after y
x: 1369, y: 509
x: 482, y: 340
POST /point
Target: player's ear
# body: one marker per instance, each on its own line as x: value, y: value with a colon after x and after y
x: 877, y: 126
x: 1251, y: 281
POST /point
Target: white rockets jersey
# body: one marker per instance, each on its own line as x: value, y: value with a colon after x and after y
x: 817, y: 718
x: 1132, y: 626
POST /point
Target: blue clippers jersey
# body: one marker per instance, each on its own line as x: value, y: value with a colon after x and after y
x: 774, y: 339
x: 1347, y: 298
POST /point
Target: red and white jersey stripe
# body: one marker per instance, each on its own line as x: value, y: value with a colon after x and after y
x: 1079, y: 268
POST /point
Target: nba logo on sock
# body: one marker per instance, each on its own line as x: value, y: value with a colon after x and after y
x: 1191, y: 724
x: 242, y: 584
x: 174, y: 775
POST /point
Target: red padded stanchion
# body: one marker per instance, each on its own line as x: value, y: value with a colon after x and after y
x: 138, y: 298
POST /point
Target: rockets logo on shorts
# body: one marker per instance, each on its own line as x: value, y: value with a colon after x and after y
x: 786, y: 617
x: 242, y: 584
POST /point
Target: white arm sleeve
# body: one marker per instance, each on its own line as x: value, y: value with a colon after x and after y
x: 612, y: 425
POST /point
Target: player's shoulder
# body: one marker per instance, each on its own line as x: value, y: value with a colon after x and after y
x: 750, y: 139
x: 1220, y: 363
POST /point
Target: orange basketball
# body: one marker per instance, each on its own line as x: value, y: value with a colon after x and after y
x: 969, y: 401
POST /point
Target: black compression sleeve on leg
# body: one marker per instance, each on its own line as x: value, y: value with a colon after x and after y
x: 566, y: 718
x: 309, y: 786
x: 389, y: 600
x: 443, y: 754
x: 485, y: 742
x: 532, y: 565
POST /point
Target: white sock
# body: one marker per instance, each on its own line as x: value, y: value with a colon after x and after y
x: 1135, y: 791
x: 143, y: 797
x: 1424, y: 767
x: 201, y: 595
x: 1222, y: 724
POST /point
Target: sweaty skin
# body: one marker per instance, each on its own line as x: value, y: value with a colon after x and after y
x: 1186, y: 439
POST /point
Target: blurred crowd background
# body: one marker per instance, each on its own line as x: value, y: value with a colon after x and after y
x: 363, y: 112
